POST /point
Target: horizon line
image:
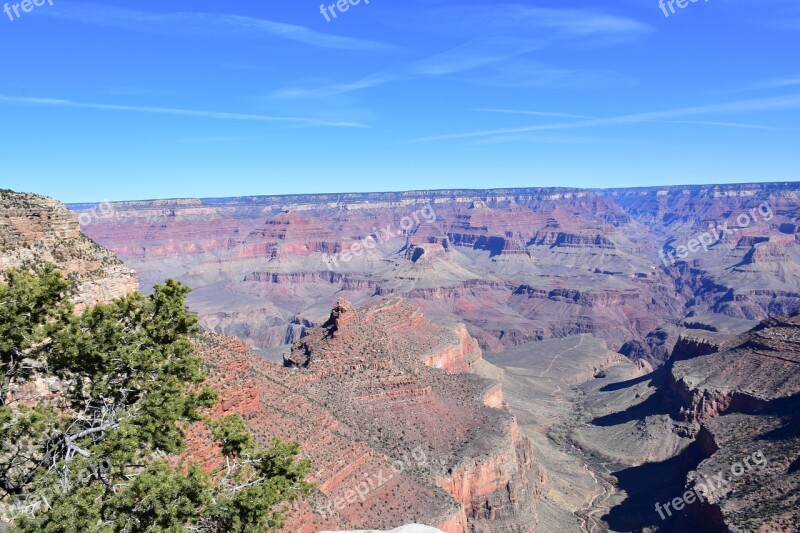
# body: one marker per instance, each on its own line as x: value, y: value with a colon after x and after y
x: 413, y: 192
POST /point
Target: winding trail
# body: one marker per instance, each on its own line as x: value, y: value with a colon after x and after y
x: 590, y: 524
x: 555, y: 358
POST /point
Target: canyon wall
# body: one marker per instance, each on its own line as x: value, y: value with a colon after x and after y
x: 727, y: 406
x: 397, y: 431
x: 35, y: 230
x: 514, y: 265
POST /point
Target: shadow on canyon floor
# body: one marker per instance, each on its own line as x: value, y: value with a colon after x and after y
x: 652, y: 376
x: 649, y: 484
x: 656, y: 404
x: 651, y: 406
x: 660, y: 482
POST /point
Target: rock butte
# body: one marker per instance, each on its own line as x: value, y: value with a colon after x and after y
x: 381, y: 389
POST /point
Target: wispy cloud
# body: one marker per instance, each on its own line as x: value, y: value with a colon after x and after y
x: 462, y: 58
x: 566, y: 22
x: 744, y: 106
x: 55, y: 102
x: 497, y: 61
x: 138, y: 91
x: 555, y: 139
x: 473, y: 55
x: 690, y: 122
x: 493, y: 70
x: 522, y: 73
x: 534, y: 113
x: 727, y: 125
x: 196, y: 23
x: 324, y: 91
x: 518, y: 19
x: 213, y: 140
x: 781, y: 83
x: 578, y: 23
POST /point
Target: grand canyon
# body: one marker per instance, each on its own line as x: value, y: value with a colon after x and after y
x: 515, y: 266
x: 400, y: 267
x: 512, y: 360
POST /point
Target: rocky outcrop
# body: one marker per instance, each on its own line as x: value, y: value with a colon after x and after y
x: 35, y: 230
x: 757, y: 369
x: 493, y: 397
x: 494, y: 489
x: 392, y: 439
x: 558, y: 239
x: 456, y: 358
x: 426, y: 251
x: 593, y: 298
x: 690, y: 346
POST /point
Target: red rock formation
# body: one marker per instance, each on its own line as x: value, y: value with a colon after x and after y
x: 493, y: 397
x: 382, y: 428
x: 459, y: 358
x: 476, y: 483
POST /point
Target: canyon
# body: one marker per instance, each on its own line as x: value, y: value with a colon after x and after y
x: 524, y: 361
x: 513, y: 265
x: 380, y: 399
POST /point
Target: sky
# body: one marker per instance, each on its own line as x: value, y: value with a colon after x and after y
x: 141, y: 100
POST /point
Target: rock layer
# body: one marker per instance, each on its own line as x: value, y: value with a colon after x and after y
x: 35, y: 230
x: 515, y: 265
x: 397, y: 432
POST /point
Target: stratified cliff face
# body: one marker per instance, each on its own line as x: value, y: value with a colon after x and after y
x: 727, y: 408
x: 759, y: 369
x: 35, y: 229
x: 746, y: 396
x: 396, y: 432
x: 514, y: 265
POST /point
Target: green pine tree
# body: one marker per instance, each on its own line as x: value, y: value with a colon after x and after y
x: 130, y: 381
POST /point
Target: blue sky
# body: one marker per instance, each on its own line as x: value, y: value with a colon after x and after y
x: 196, y: 99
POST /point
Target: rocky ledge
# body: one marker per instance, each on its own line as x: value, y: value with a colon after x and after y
x: 35, y: 230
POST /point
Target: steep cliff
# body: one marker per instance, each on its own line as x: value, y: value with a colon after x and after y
x: 757, y: 370
x: 35, y: 230
x: 397, y: 432
x: 727, y: 406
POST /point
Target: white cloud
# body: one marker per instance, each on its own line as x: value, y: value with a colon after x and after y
x: 195, y: 23
x: 174, y: 111
x: 744, y: 106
